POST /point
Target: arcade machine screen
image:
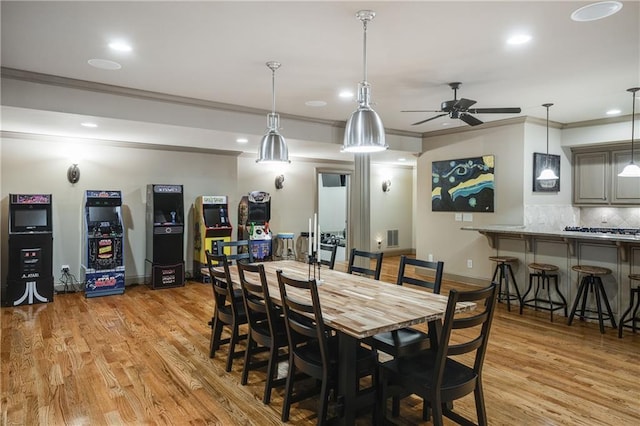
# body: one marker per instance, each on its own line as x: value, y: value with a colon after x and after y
x: 103, y: 214
x: 258, y: 213
x: 32, y: 219
x: 214, y: 217
x: 167, y: 210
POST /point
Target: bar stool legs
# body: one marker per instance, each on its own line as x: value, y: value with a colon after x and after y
x: 634, y: 297
x: 543, y: 277
x: 503, y: 268
x: 592, y: 282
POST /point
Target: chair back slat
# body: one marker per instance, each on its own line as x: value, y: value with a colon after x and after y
x: 332, y: 250
x: 240, y: 250
x: 357, y: 255
x: 437, y: 268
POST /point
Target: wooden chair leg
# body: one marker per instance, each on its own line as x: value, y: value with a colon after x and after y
x: 216, y: 333
x: 247, y: 360
x: 271, y: 372
x: 288, y: 393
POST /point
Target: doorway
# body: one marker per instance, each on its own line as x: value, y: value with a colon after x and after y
x: 333, y: 209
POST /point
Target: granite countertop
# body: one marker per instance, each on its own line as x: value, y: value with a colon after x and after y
x: 548, y: 232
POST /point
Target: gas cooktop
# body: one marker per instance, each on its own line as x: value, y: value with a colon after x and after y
x: 618, y: 231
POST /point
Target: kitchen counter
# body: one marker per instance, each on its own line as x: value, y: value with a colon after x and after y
x: 492, y: 232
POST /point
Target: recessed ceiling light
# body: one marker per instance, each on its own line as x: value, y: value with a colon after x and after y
x: 242, y: 140
x: 104, y: 64
x: 120, y: 46
x: 346, y: 94
x: 89, y: 124
x: 595, y: 11
x: 519, y: 39
x: 613, y: 112
x: 315, y: 103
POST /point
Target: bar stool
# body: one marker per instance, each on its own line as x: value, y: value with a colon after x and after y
x: 543, y: 275
x: 286, y: 245
x: 504, y: 268
x: 634, y: 295
x: 592, y: 282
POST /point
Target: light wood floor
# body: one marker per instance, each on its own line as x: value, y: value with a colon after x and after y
x: 142, y: 358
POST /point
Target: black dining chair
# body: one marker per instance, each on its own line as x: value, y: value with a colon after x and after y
x: 229, y: 308
x: 313, y: 348
x: 331, y: 250
x: 266, y: 326
x: 240, y: 251
x: 408, y: 340
x: 434, y: 374
x: 359, y: 257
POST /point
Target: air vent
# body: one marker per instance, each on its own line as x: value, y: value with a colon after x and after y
x: 392, y: 238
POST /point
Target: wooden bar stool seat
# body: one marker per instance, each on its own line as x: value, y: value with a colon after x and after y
x: 633, y: 308
x: 503, y: 268
x: 591, y: 282
x: 544, y: 273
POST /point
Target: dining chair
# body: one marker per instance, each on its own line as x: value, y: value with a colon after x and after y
x: 240, y: 250
x: 266, y: 326
x: 313, y: 348
x: 331, y: 250
x: 408, y: 340
x: 434, y: 374
x: 359, y: 257
x: 229, y: 308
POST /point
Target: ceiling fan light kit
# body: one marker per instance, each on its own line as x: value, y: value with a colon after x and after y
x: 364, y: 131
x: 547, y: 173
x: 460, y: 109
x: 273, y: 147
x: 632, y: 169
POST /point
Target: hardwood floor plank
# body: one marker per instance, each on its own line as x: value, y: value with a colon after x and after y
x: 143, y: 358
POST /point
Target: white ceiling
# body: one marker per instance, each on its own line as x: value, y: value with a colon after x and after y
x: 217, y: 50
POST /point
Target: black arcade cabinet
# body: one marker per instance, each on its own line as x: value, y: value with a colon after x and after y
x: 103, y: 256
x: 30, y: 275
x: 165, y: 236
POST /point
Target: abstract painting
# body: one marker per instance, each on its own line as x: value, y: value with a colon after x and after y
x: 463, y: 185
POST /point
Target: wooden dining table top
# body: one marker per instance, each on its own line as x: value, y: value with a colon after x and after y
x: 359, y: 306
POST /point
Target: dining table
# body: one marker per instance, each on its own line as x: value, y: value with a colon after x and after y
x: 357, y: 308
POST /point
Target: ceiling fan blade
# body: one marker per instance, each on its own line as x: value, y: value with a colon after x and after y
x: 463, y: 104
x: 469, y: 119
x: 429, y: 119
x: 421, y: 110
x: 495, y: 111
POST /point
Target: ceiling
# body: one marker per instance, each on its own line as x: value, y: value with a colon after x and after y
x: 216, y: 51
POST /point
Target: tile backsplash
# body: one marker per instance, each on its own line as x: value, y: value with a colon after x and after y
x: 551, y: 217
x: 610, y: 217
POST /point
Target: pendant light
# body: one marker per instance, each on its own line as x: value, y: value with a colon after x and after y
x: 273, y: 147
x: 547, y: 173
x: 632, y: 169
x: 364, y: 131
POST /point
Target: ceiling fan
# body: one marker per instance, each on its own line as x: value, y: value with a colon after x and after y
x: 459, y: 108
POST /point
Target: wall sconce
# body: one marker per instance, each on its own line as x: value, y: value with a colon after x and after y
x: 73, y: 173
x: 386, y: 185
x: 279, y: 181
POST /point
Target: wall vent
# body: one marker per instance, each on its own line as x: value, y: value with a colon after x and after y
x: 392, y: 238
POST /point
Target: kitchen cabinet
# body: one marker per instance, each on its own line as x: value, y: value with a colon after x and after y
x: 591, y: 178
x: 625, y: 190
x: 596, y: 180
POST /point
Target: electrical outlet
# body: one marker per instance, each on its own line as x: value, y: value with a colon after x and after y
x: 469, y: 263
x: 603, y: 219
x: 430, y: 258
x: 64, y: 268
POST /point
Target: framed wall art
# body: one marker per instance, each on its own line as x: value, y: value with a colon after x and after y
x: 546, y: 161
x: 463, y: 185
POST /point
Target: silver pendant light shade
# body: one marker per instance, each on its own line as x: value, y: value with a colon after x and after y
x: 364, y: 131
x: 632, y: 169
x: 547, y: 173
x: 273, y: 147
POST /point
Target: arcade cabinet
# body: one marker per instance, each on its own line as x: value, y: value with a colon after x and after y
x: 30, y: 269
x: 103, y: 254
x: 254, y: 213
x: 212, y: 225
x: 165, y: 236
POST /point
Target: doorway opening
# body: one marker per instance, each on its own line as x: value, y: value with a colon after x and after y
x: 333, y: 209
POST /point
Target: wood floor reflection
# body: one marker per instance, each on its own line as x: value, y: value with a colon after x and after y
x: 142, y: 358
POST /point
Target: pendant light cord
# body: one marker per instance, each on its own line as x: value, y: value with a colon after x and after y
x: 273, y: 90
x: 364, y: 51
x: 633, y: 117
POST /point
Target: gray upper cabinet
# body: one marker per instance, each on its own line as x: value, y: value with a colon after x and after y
x: 596, y: 180
x: 625, y: 190
x: 591, y: 178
